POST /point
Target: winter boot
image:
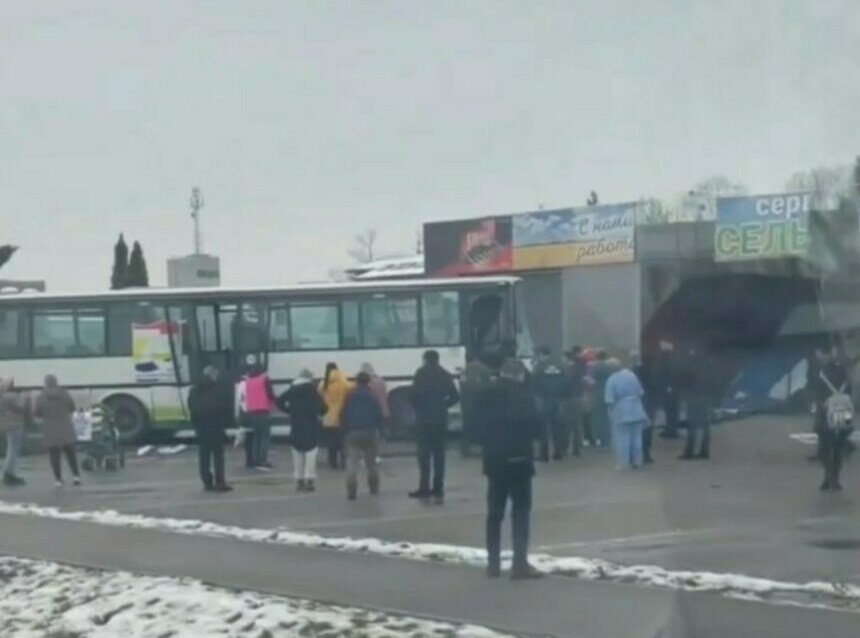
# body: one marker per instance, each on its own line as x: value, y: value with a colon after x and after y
x: 301, y: 486
x: 373, y: 484
x: 309, y: 485
x: 351, y: 490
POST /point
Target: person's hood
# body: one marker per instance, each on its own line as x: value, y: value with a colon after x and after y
x: 336, y: 377
x: 301, y: 381
x: 53, y: 392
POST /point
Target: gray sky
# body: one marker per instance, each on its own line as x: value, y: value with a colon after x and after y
x: 304, y: 122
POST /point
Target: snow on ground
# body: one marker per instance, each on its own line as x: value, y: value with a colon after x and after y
x: 814, y: 593
x: 41, y: 599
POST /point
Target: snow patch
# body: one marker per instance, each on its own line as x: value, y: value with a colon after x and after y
x: 818, y: 593
x: 40, y: 598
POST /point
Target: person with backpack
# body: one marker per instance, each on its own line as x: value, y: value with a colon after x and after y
x: 834, y: 414
x: 361, y: 421
x: 550, y: 389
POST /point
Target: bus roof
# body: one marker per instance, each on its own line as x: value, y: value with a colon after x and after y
x: 267, y: 291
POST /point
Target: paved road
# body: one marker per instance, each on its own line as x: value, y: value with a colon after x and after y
x: 551, y: 607
x: 754, y: 509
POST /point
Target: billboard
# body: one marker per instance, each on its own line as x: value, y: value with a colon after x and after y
x: 465, y: 247
x: 762, y: 226
x: 575, y: 237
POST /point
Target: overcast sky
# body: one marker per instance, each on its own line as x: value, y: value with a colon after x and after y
x: 305, y: 121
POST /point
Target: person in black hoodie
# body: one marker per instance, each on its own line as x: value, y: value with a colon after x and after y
x: 665, y: 381
x: 305, y: 406
x: 433, y: 394
x: 510, y: 428
x: 210, y: 404
x: 361, y: 420
x: 550, y: 387
x: 832, y: 379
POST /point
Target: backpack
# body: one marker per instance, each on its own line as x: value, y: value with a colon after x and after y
x: 839, y: 407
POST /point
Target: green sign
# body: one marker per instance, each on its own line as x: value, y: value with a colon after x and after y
x: 762, y: 227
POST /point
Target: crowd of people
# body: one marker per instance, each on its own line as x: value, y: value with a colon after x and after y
x: 514, y: 416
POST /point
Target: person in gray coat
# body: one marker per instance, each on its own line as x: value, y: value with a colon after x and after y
x: 55, y: 407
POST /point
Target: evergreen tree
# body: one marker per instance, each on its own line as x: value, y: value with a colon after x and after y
x: 119, y: 275
x: 138, y: 276
x: 6, y: 253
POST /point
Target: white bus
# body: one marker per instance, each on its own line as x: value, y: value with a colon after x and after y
x: 139, y: 350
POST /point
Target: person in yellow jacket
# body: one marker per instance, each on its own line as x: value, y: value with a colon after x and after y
x: 333, y: 388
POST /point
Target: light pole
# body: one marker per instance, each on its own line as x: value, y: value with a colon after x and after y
x: 196, y: 205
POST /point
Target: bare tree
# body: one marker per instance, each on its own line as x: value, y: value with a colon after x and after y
x: 364, y: 249
x: 828, y: 183
x: 718, y: 186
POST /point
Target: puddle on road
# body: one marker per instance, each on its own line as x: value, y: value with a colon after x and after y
x: 837, y: 544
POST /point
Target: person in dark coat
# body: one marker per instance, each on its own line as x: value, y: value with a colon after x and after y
x: 643, y: 374
x: 473, y: 384
x: 599, y: 416
x: 361, y: 420
x: 433, y: 394
x: 303, y: 402
x: 211, y: 407
x: 832, y: 379
x: 573, y: 410
x: 511, y: 427
x: 550, y: 389
x: 699, y: 392
x: 665, y: 385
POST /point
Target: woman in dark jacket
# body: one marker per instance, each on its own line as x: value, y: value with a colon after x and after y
x: 55, y: 407
x: 211, y: 407
x: 305, y: 406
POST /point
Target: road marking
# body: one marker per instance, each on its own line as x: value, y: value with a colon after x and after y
x: 435, y: 513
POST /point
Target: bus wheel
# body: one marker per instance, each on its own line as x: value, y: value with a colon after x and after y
x: 130, y: 417
x: 402, y: 423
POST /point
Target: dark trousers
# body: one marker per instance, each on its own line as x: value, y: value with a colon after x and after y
x: 555, y: 428
x: 469, y: 413
x: 699, y: 427
x: 517, y: 488
x: 431, y: 451
x: 669, y: 402
x: 647, y: 442
x: 211, y: 457
x: 71, y: 458
x: 250, y: 449
x: 334, y: 443
x: 833, y: 444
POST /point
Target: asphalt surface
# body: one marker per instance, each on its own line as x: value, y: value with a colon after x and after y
x: 753, y: 509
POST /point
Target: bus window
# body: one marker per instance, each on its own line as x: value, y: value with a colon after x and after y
x: 58, y: 333
x: 314, y: 327
x: 14, y: 340
x: 206, y: 331
x: 388, y: 322
x: 228, y: 326
x: 350, y: 316
x: 121, y: 317
x: 279, y: 329
x: 440, y: 318
x: 250, y: 334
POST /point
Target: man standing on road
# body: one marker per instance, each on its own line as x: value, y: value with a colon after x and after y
x: 665, y: 383
x: 834, y: 412
x: 361, y: 420
x: 508, y: 434
x: 700, y: 397
x: 573, y: 410
x: 476, y: 379
x: 433, y: 394
x: 548, y: 383
x: 210, y: 404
